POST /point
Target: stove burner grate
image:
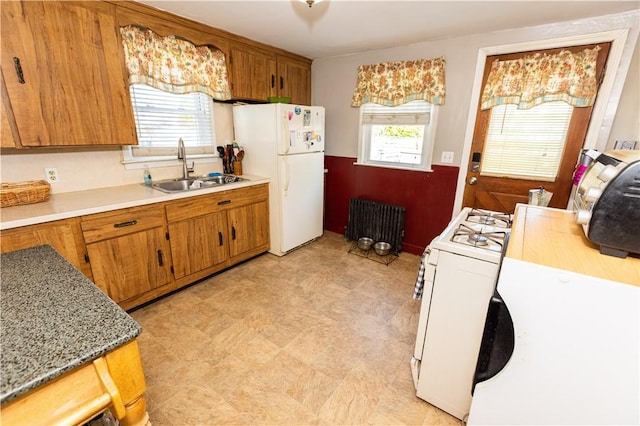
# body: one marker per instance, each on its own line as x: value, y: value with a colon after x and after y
x: 487, y: 217
x: 479, y: 238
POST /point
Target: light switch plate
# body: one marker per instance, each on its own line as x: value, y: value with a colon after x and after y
x: 447, y: 157
x: 51, y: 174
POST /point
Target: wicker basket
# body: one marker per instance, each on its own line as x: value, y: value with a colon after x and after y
x: 19, y: 193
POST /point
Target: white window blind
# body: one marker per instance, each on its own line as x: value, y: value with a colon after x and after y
x: 410, y: 113
x: 526, y: 144
x: 162, y: 118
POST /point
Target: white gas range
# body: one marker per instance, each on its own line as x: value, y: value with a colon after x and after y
x: 456, y: 281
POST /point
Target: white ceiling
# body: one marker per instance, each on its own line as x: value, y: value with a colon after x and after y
x: 340, y: 27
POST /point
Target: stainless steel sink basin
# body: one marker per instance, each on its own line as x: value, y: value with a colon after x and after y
x: 181, y: 185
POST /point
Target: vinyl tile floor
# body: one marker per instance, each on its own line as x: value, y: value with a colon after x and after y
x: 320, y: 336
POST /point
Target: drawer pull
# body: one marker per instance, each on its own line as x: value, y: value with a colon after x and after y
x: 125, y: 224
x: 160, y: 260
x: 19, y: 73
x: 233, y: 232
x: 223, y: 202
x: 220, y: 237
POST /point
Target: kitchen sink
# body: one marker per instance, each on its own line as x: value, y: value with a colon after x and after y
x: 181, y: 185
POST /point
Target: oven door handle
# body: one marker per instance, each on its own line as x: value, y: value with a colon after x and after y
x: 498, y: 341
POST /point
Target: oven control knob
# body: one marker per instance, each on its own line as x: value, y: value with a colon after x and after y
x: 592, y: 194
x: 583, y: 216
x: 607, y: 173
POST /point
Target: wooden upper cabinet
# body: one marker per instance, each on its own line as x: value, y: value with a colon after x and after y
x: 63, y: 66
x: 258, y: 74
x: 250, y: 73
x: 9, y: 136
x: 294, y: 80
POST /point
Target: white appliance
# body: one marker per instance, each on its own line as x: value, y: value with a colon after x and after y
x: 457, y: 278
x: 286, y: 143
x: 561, y: 344
x: 576, y: 351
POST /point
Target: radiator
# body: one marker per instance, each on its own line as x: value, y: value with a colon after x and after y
x: 378, y: 221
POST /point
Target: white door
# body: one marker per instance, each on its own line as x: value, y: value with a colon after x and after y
x: 301, y: 188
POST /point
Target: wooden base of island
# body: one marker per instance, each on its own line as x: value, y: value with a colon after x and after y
x: 114, y: 381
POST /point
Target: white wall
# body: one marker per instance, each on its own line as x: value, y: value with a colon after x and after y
x: 334, y: 80
x: 626, y: 124
x: 88, y: 168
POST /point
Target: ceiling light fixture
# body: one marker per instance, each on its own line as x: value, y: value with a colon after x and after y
x: 311, y: 2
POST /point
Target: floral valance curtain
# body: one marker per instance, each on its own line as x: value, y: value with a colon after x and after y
x: 174, y: 65
x: 540, y: 77
x: 396, y: 83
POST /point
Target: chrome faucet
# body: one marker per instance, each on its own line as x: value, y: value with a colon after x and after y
x: 182, y: 155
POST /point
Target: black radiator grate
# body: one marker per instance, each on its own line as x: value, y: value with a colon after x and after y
x: 378, y: 221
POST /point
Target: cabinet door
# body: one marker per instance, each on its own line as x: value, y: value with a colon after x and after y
x: 198, y: 243
x: 63, y: 235
x: 9, y: 132
x: 250, y: 74
x: 248, y: 228
x: 132, y: 264
x: 294, y: 80
x: 63, y: 66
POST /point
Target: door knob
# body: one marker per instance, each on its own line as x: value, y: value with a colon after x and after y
x: 472, y: 180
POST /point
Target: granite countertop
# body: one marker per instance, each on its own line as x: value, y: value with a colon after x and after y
x: 80, y: 203
x: 52, y: 320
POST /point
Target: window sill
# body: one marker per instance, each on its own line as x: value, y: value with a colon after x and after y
x: 388, y: 166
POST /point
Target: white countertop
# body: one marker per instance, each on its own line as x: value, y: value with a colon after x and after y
x: 80, y: 203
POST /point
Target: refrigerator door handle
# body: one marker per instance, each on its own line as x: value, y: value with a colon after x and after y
x: 286, y: 134
x: 286, y: 175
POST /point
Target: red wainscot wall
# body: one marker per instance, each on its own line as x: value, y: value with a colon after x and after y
x: 427, y: 196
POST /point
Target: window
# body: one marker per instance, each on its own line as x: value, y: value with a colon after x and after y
x: 399, y: 136
x: 162, y: 118
x: 526, y: 143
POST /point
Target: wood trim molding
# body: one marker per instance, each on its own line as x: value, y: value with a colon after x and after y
x: 604, y: 110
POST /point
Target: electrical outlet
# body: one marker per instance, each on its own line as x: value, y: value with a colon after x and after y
x: 447, y: 157
x: 51, y: 174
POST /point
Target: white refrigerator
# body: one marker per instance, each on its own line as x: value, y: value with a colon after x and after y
x: 286, y: 143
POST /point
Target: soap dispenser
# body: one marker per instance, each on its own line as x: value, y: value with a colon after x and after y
x: 147, y: 175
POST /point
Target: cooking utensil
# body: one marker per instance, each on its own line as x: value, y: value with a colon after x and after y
x: 240, y: 155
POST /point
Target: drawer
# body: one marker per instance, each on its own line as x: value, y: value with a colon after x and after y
x: 211, y: 203
x: 103, y: 226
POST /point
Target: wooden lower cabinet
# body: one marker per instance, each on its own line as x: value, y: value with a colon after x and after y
x: 198, y: 243
x: 63, y: 235
x: 114, y: 381
x: 129, y: 254
x: 212, y: 232
x: 248, y: 228
x: 137, y: 254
